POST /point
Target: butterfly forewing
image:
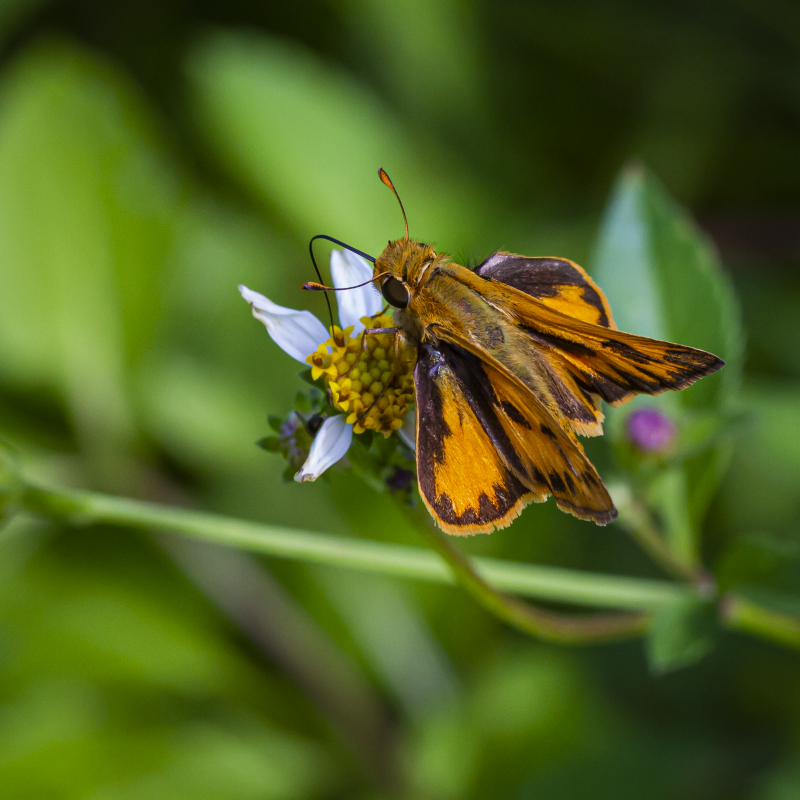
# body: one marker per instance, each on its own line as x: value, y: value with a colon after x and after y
x: 615, y: 365
x: 557, y: 282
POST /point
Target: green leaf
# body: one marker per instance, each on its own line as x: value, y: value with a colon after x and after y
x: 272, y: 444
x: 275, y: 422
x: 764, y: 569
x: 681, y: 634
x: 86, y: 208
x: 663, y: 279
x: 303, y: 135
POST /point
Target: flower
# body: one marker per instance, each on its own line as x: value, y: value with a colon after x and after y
x: 364, y: 378
x: 651, y: 430
x: 329, y: 445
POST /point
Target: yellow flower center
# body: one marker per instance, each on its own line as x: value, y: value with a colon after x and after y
x: 365, y: 378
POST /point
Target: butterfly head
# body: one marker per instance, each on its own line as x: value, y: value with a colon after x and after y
x: 401, y: 269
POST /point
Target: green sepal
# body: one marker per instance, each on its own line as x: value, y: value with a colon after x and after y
x: 288, y: 473
x: 275, y: 422
x: 272, y: 444
x: 305, y: 375
x: 302, y: 403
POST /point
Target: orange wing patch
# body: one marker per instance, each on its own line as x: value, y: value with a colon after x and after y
x: 479, y: 427
x: 463, y: 480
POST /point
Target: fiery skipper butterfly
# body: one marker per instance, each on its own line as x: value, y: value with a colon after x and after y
x: 512, y: 361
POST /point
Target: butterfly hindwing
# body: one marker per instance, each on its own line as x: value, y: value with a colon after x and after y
x: 486, y: 447
x: 463, y: 480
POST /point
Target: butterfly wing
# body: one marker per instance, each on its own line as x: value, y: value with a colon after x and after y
x: 486, y: 447
x: 615, y: 365
x: 557, y: 282
x: 568, y: 317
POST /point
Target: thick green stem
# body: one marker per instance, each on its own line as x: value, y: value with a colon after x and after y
x: 636, y: 519
x: 485, y: 578
x: 545, y: 583
x: 548, y: 625
x: 742, y: 615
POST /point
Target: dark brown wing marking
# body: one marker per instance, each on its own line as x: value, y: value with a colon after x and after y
x: 557, y: 282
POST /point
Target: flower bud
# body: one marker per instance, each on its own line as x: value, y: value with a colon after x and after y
x: 651, y: 430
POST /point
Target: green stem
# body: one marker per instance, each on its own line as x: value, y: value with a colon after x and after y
x: 546, y: 583
x: 548, y: 625
x: 742, y: 615
x: 636, y: 519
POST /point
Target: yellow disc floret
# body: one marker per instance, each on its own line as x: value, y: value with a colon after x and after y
x: 365, y: 378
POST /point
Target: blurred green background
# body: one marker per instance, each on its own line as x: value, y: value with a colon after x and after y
x: 153, y: 155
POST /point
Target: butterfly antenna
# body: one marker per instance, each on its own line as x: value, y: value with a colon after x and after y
x: 316, y: 268
x: 313, y: 286
x: 388, y: 181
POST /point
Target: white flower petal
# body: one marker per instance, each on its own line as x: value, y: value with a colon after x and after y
x: 297, y: 333
x: 329, y: 445
x: 348, y: 269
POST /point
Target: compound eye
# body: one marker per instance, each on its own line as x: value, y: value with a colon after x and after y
x: 394, y: 293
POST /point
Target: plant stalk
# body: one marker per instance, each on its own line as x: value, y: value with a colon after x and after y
x: 742, y: 615
x: 543, y: 624
x: 545, y: 583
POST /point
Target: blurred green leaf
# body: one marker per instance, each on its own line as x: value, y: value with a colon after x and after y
x: 764, y: 569
x: 663, y: 279
x: 86, y: 203
x: 680, y: 635
x: 308, y: 139
x: 430, y: 65
x: 761, y: 490
x: 10, y: 483
x: 624, y: 264
x: 14, y: 12
x: 667, y: 495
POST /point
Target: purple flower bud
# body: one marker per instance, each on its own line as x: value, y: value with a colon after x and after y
x: 651, y: 430
x: 400, y: 480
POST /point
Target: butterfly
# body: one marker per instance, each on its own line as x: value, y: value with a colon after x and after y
x: 513, y: 359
